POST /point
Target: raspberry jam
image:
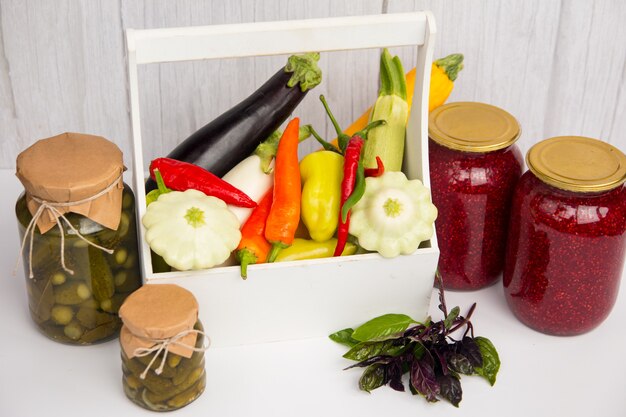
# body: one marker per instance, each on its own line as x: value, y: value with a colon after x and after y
x: 566, y: 247
x: 474, y: 167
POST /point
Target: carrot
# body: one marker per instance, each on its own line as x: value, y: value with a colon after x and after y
x: 284, y: 216
x: 253, y: 248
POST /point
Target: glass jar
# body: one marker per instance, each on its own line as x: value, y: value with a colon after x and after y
x: 567, y: 236
x: 162, y: 343
x: 181, y: 381
x: 81, y: 308
x: 76, y: 289
x: 474, y: 167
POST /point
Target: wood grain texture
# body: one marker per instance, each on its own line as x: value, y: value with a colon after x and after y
x: 559, y: 66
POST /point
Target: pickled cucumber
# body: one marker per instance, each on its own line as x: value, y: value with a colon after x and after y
x: 102, y: 284
x: 165, y: 394
x: 120, y: 254
x: 58, y: 278
x: 167, y: 371
x: 173, y: 360
x: 62, y: 314
x: 127, y: 280
x: 90, y: 318
x: 72, y: 293
x: 73, y: 330
x: 113, y: 304
x: 188, y: 396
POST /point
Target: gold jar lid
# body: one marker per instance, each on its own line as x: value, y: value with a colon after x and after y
x: 577, y: 163
x: 473, y: 127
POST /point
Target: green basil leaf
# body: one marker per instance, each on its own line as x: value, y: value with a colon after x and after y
x: 454, y: 313
x: 366, y: 350
x: 372, y: 378
x: 383, y: 327
x: 491, y: 360
x: 344, y: 337
x: 450, y: 388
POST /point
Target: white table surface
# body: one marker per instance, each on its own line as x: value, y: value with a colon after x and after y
x: 540, y: 375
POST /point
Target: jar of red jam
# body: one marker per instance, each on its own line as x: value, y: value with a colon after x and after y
x: 474, y: 167
x: 567, y: 237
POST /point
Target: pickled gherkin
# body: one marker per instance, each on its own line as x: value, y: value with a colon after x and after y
x: 81, y: 308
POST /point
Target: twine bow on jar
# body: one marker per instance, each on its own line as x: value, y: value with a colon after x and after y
x: 52, y: 207
x: 161, y: 345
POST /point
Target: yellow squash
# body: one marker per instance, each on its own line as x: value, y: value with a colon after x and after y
x: 443, y: 73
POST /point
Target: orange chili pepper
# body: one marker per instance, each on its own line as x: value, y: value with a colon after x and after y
x: 253, y: 247
x: 284, y: 216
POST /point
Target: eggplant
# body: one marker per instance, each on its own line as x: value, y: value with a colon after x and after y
x: 233, y: 136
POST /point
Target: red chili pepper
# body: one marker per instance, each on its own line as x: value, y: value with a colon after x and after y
x: 181, y: 176
x: 376, y: 172
x: 350, y: 169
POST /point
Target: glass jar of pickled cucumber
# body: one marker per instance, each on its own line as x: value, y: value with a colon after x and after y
x: 76, y: 220
x: 163, y: 346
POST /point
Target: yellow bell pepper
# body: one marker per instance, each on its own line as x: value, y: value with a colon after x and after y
x: 321, y: 174
x: 310, y: 249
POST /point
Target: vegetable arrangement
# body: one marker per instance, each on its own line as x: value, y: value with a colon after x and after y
x: 287, y: 209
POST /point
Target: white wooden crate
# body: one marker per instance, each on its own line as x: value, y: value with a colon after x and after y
x: 294, y: 300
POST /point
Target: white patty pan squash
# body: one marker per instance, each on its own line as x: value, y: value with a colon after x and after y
x: 394, y: 215
x: 191, y: 230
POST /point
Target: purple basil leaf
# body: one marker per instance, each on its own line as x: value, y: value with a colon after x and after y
x: 459, y: 363
x: 382, y: 359
x: 450, y: 388
x: 442, y: 360
x: 469, y: 349
x: 373, y: 377
x: 422, y: 377
x: 394, y: 373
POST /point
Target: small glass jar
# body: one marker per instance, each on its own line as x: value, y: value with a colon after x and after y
x: 77, y: 303
x: 567, y: 236
x: 474, y: 167
x: 162, y: 376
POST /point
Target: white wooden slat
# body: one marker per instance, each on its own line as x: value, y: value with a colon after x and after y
x: 9, y: 136
x: 62, y: 66
x: 509, y: 51
x: 588, y: 74
x: 65, y: 64
x: 243, y: 40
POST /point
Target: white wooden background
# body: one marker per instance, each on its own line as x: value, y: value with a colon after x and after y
x: 559, y: 66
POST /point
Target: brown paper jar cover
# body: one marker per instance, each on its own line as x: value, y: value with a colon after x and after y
x: 73, y: 167
x: 158, y: 311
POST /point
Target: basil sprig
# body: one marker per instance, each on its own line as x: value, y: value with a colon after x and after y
x: 392, y: 345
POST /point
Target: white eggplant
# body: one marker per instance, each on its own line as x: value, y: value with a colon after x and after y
x: 248, y: 176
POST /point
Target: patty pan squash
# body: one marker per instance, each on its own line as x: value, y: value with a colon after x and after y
x: 191, y: 230
x: 394, y: 215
